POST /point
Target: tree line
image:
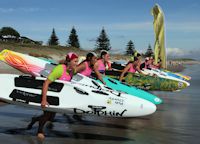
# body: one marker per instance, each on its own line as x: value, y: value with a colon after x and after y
x: 102, y: 41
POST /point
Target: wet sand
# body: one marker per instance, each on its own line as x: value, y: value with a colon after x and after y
x: 175, y: 121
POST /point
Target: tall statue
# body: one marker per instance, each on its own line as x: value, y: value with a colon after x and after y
x: 159, y: 29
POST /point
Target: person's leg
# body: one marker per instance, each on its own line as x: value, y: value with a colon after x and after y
x: 51, y: 119
x: 47, y: 116
x: 33, y: 121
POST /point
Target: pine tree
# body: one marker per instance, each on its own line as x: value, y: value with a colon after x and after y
x: 73, y: 39
x: 53, y: 40
x: 149, y: 51
x: 103, y: 42
x: 130, y: 48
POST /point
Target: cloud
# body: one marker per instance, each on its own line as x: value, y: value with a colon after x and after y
x: 29, y: 9
x: 10, y: 10
x: 131, y: 26
x: 175, y: 52
x: 92, y: 40
x: 113, y: 26
x: 120, y: 36
x: 183, y: 26
x: 182, y: 53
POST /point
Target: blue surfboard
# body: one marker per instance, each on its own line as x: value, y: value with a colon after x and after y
x: 122, y: 87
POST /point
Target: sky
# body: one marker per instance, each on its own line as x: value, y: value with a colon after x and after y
x: 123, y: 20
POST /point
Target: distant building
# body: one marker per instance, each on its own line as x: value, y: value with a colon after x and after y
x: 9, y: 38
x: 23, y: 40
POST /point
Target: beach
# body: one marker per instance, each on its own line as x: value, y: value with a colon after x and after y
x: 175, y: 121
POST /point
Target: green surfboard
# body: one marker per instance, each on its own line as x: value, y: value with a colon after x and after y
x: 147, y: 82
x: 154, y: 83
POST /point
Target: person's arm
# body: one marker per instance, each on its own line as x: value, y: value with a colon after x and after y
x: 98, y: 74
x: 124, y: 71
x: 55, y: 74
x: 44, y: 93
x: 142, y: 72
x: 157, y: 65
x: 139, y: 70
x: 109, y: 65
x: 80, y: 68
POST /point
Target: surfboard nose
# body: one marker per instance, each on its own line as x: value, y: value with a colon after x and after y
x: 187, y: 83
x: 183, y: 84
x: 158, y: 100
x: 148, y: 107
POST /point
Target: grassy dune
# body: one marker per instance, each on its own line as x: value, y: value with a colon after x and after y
x: 54, y: 52
x: 58, y: 52
x: 43, y: 51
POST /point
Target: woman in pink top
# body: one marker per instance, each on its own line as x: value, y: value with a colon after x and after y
x: 62, y: 72
x: 86, y: 67
x: 66, y: 75
x: 131, y: 67
x: 102, y: 65
x: 153, y: 65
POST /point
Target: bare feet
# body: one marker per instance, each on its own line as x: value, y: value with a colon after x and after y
x: 40, y: 136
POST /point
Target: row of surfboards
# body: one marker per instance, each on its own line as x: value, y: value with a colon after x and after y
x: 154, y: 79
x: 82, y: 95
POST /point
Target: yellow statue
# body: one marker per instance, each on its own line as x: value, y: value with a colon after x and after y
x: 159, y: 29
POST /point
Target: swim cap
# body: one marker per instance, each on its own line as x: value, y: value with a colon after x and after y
x: 103, y: 52
x: 70, y: 56
x: 94, y: 54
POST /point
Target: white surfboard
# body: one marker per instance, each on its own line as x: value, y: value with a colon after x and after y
x: 71, y: 97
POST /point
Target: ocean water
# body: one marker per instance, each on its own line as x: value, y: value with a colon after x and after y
x: 176, y: 121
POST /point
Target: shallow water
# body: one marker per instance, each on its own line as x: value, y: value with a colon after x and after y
x: 175, y: 121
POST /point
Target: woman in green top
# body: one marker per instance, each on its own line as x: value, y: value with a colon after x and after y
x: 62, y: 72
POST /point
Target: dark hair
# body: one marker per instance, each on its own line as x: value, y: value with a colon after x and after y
x: 89, y: 56
x: 138, y: 54
x: 135, y: 59
x: 103, y: 53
